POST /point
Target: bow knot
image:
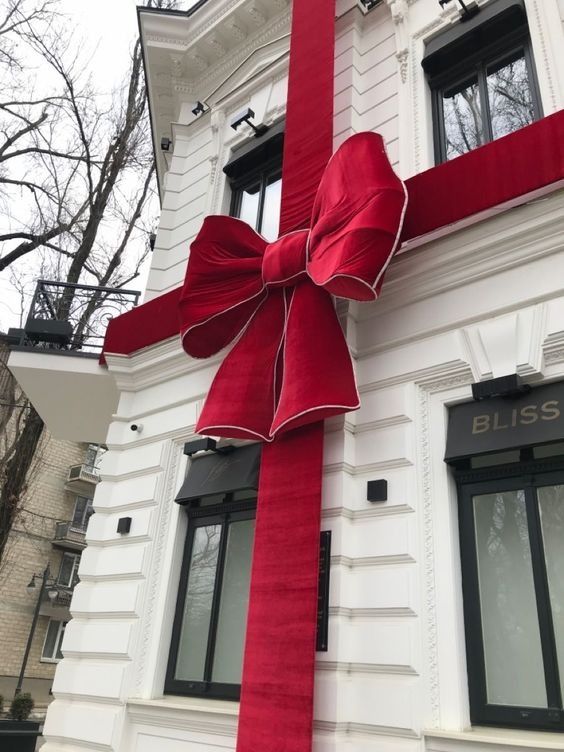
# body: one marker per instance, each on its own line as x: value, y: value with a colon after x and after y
x: 285, y: 260
x: 290, y: 364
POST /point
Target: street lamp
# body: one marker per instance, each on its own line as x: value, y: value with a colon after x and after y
x: 31, y: 588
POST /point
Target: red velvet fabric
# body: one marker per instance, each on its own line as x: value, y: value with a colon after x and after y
x: 308, y: 140
x: 276, y: 708
x: 530, y: 159
x: 291, y: 364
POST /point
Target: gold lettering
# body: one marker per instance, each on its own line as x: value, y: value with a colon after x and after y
x: 529, y: 415
x: 550, y: 410
x: 481, y: 424
x: 496, y: 424
x: 513, y: 418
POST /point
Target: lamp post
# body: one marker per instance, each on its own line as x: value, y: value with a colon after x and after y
x: 31, y: 589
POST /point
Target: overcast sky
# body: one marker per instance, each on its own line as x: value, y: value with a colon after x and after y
x: 108, y: 29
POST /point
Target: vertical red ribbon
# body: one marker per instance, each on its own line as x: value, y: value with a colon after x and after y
x: 276, y: 712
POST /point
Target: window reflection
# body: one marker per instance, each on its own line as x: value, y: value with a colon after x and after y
x: 510, y: 97
x: 248, y: 210
x: 462, y: 110
x: 271, y: 209
x: 510, y: 626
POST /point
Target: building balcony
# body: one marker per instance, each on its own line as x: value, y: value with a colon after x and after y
x: 56, y: 357
x: 70, y: 537
x: 82, y: 479
x: 55, y: 603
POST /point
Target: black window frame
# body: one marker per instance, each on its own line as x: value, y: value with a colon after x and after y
x: 257, y: 161
x: 261, y: 174
x: 474, y: 67
x: 227, y: 510
x: 528, y: 474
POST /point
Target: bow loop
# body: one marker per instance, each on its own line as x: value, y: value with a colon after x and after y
x: 223, y: 286
x: 357, y: 219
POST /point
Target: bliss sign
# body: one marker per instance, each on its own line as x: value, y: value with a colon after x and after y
x: 536, y: 417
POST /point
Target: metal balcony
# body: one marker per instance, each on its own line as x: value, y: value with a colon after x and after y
x: 71, y: 318
x: 70, y: 537
x: 56, y: 601
x: 75, y: 395
x: 82, y: 479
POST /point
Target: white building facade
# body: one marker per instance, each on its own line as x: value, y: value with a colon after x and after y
x: 466, y: 300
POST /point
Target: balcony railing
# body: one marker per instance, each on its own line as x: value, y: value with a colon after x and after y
x: 71, y: 318
x: 82, y: 474
x: 70, y: 536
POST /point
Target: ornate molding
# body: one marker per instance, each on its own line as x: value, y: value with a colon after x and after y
x: 460, y: 377
x: 217, y: 129
x: 400, y: 12
x: 171, y: 462
x: 547, y: 62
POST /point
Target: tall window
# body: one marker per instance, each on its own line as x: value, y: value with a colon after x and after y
x: 256, y: 183
x: 512, y: 542
x: 206, y: 652
x: 83, y: 510
x: 53, y: 641
x: 482, y: 80
x: 68, y: 572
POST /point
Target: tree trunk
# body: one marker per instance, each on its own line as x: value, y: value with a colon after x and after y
x: 16, y: 470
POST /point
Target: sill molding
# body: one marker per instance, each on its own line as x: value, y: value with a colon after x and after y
x: 496, y: 739
x: 200, y: 715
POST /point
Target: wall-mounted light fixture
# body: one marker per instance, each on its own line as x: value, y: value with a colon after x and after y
x: 165, y: 143
x: 467, y: 10
x: 199, y: 109
x: 369, y: 4
x: 245, y: 117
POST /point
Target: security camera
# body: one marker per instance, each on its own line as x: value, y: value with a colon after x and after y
x: 136, y: 427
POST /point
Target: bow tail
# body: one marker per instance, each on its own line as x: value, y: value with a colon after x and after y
x: 241, y: 400
x: 318, y: 378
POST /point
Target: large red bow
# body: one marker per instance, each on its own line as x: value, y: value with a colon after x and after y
x: 291, y: 364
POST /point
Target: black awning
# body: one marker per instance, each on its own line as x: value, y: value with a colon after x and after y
x: 459, y: 42
x: 256, y: 151
x: 215, y: 473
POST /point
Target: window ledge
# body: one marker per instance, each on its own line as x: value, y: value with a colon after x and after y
x: 215, y: 717
x: 497, y: 739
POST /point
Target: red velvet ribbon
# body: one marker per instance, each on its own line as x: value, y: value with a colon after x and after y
x: 290, y: 366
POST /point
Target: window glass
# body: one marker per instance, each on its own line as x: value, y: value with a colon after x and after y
x: 82, y: 513
x: 510, y: 96
x: 271, y: 208
x: 51, y: 639
x: 68, y: 570
x: 192, y: 649
x: 248, y: 210
x: 234, y: 600
x: 551, y: 507
x: 548, y: 450
x: 59, y: 654
x: 462, y: 111
x: 497, y: 458
x: 511, y: 635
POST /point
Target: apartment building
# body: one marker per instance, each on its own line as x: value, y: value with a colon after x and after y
x: 47, y: 538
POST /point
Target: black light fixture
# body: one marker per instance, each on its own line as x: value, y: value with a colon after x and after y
x: 369, y: 4
x: 199, y: 109
x: 165, y: 143
x: 377, y: 490
x: 502, y: 386
x: 468, y: 11
x: 245, y: 117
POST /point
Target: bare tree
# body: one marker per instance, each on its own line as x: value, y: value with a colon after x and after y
x: 76, y: 180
